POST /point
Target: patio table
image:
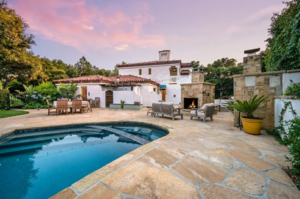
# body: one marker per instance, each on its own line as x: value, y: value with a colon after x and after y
x: 84, y: 104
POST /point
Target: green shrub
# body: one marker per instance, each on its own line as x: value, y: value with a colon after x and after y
x: 14, y: 101
x: 4, y: 99
x: 68, y: 90
x: 15, y: 85
x: 292, y: 140
x: 293, y: 90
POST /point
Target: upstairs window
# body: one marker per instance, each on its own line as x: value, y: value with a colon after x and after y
x: 173, y: 71
x: 140, y: 71
x: 149, y: 71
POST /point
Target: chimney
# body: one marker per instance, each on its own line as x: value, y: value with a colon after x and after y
x: 164, y: 55
x: 197, y: 75
x: 252, y: 63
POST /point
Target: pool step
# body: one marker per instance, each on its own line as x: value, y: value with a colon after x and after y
x: 139, y: 130
x: 49, y: 145
x: 122, y: 133
x: 30, y: 140
x: 52, y: 132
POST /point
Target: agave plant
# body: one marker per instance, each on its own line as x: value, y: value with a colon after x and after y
x: 248, y: 107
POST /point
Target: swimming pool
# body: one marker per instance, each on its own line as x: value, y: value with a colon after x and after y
x: 38, y: 163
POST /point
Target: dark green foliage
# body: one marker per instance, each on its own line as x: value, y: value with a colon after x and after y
x: 10, y: 113
x: 4, y: 99
x: 293, y: 90
x: 15, y: 85
x: 248, y: 107
x: 122, y: 104
x: 283, y: 51
x: 220, y: 73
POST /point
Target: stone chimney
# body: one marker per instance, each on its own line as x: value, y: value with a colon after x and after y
x: 164, y: 55
x: 252, y: 63
x: 197, y: 75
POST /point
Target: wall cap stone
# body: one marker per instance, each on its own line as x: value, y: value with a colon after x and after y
x: 293, y: 71
x: 286, y: 97
x: 261, y: 74
x: 205, y: 83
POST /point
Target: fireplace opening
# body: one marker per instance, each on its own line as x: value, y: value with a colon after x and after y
x: 190, y: 103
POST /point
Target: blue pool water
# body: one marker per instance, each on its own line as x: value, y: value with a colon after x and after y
x: 40, y: 163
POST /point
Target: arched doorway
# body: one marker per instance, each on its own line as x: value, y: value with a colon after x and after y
x: 109, y: 98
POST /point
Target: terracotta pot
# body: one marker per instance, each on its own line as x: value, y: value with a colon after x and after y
x: 252, y: 126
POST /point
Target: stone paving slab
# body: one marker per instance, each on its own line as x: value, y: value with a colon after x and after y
x: 195, y: 160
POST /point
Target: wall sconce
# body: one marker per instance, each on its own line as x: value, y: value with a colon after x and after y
x: 174, y: 95
x: 207, y: 94
x: 203, y: 92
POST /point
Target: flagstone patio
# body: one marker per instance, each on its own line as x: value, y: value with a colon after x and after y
x: 196, y: 160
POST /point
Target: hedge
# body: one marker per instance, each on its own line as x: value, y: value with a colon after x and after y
x: 4, y: 99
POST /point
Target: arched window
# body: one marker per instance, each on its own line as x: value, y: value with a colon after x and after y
x: 173, y: 71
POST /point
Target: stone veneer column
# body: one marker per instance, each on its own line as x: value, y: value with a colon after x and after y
x: 252, y: 64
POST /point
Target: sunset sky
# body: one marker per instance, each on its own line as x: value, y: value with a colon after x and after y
x: 108, y: 32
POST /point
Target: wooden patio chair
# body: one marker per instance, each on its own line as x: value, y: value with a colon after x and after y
x: 203, y: 113
x: 77, y: 104
x: 62, y: 105
x: 49, y: 108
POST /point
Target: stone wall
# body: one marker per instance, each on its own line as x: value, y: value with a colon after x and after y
x: 262, y: 84
x: 205, y: 92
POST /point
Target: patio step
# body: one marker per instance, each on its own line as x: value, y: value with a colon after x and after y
x: 122, y: 133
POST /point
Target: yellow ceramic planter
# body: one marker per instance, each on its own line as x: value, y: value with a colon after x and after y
x: 252, y: 126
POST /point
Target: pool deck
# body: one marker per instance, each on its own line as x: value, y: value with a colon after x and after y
x: 195, y: 160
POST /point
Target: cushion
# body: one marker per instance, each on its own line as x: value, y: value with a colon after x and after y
x: 206, y: 105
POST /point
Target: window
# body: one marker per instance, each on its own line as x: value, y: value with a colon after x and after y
x: 173, y: 71
x: 140, y: 71
x: 154, y: 89
x: 149, y: 71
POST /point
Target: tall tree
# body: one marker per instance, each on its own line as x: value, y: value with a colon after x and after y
x: 15, y: 56
x: 283, y: 46
x: 84, y: 67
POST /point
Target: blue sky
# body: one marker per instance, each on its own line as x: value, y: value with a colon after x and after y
x: 109, y: 32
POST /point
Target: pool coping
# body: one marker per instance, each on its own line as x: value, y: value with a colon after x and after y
x: 91, y: 180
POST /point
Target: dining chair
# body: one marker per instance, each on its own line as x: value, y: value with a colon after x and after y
x: 77, y: 104
x: 62, y: 105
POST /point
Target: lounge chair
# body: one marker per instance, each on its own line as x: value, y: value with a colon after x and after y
x: 49, y: 108
x: 62, y: 105
x: 77, y: 104
x: 203, y: 112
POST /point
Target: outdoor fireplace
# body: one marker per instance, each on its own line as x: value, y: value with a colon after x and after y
x: 190, y: 103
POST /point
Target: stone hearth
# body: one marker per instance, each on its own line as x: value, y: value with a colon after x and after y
x: 198, y: 89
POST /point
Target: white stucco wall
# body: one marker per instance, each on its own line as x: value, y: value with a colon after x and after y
x: 161, y: 75
x: 289, y: 76
x: 279, y: 105
x: 128, y: 96
x: 149, y: 96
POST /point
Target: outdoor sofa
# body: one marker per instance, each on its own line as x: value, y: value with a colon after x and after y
x: 165, y: 108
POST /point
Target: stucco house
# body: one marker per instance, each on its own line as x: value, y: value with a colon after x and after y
x: 144, y: 82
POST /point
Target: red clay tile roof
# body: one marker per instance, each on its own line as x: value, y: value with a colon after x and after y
x: 149, y: 63
x: 109, y: 80
x: 186, y: 65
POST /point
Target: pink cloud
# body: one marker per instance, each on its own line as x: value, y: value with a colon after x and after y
x: 85, y: 27
x: 252, y: 20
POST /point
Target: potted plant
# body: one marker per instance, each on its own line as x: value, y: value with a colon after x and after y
x: 122, y: 104
x: 251, y: 124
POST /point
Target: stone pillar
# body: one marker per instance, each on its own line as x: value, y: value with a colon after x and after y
x: 197, y: 77
x: 252, y: 64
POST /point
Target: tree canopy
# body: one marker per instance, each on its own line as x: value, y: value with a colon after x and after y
x: 220, y: 73
x: 16, y: 59
x: 283, y: 46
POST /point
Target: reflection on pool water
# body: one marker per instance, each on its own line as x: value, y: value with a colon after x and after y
x: 40, y: 163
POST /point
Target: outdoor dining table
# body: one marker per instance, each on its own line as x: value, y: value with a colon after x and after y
x: 84, y: 104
